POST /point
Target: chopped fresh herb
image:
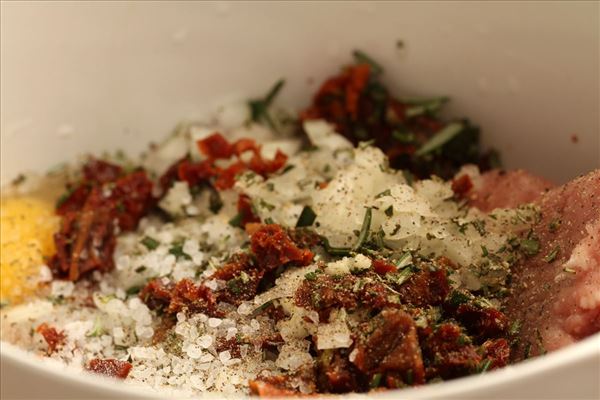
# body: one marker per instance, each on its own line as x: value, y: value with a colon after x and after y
x: 484, y: 251
x: 97, y: 329
x: 259, y: 108
x: 236, y: 221
x: 150, y: 243
x: 364, y: 230
x: 64, y: 197
x: 269, y: 221
x: 404, y: 137
x: 458, y: 297
x: 484, y: 366
x: 386, y: 192
x: 404, y: 260
x: 307, y: 217
x: 569, y: 270
x: 409, y: 377
x: 375, y: 381
x: 361, y: 58
x: 287, y: 168
x: 554, y: 225
x: 335, y: 251
x: 530, y: 246
x: 389, y: 211
x: 515, y: 328
x: 264, y: 204
x: 442, y: 137
x: 427, y: 106
x: 398, y: 278
x: 133, y: 290
x: 270, y: 186
x: 214, y: 201
x: 310, y: 276
x: 479, y: 226
x: 408, y: 177
x: 177, y: 250
x: 140, y: 269
x: 552, y: 255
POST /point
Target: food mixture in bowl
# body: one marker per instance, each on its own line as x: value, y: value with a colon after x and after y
x: 360, y: 245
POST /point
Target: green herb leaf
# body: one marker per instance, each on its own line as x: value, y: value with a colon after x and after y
x: 425, y: 106
x: 236, y: 221
x: 150, y: 243
x: 307, y: 217
x: 259, y: 107
x: 442, y: 137
x: 214, y: 202
x: 389, y: 211
x: 552, y: 255
x: 361, y: 58
x: 133, y: 290
x: 554, y: 225
x: 375, y: 381
x: 177, y: 250
x: 364, y: 229
x: 530, y: 246
x: 310, y: 276
x: 386, y: 192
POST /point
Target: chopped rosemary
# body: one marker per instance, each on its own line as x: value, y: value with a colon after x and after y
x: 361, y: 58
x: 259, y: 108
x: 364, y: 230
x: 150, y: 243
x: 550, y: 257
x: 442, y: 137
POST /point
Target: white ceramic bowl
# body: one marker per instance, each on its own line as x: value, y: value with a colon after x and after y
x: 81, y: 77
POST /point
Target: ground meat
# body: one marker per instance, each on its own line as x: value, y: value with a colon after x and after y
x: 110, y: 367
x: 556, y: 293
x: 53, y: 338
x: 389, y: 343
x: 504, y: 189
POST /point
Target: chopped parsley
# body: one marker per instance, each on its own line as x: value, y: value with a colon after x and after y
x: 150, y: 243
x: 307, y: 217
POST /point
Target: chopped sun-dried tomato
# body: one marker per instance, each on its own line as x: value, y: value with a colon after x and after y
x: 104, y: 201
x: 216, y: 147
x: 389, y: 343
x: 110, y: 367
x: 462, y: 185
x: 272, y: 386
x: 52, y: 337
x: 382, y: 267
x: 246, y: 211
x: 497, y: 351
x: 182, y: 296
x: 273, y: 247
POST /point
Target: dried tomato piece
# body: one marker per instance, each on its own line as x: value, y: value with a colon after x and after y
x: 482, y: 321
x: 272, y: 386
x: 182, y: 296
x: 382, y: 267
x: 86, y: 240
x: 497, y: 351
x: 133, y: 199
x: 246, y: 211
x: 425, y: 288
x: 109, y: 367
x: 448, y: 353
x: 53, y: 338
x: 389, y: 343
x: 215, y: 146
x: 462, y: 185
x: 273, y: 248
x: 97, y: 171
x: 336, y: 374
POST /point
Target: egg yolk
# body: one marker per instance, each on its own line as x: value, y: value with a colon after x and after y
x: 27, y: 226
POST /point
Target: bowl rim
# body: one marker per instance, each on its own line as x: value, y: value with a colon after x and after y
x: 585, y: 350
